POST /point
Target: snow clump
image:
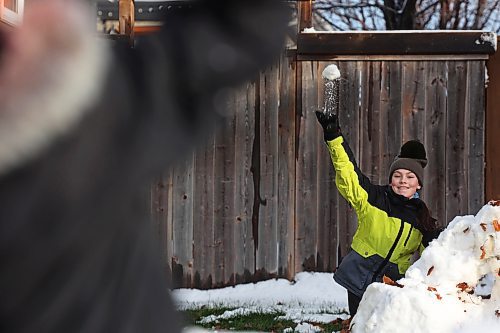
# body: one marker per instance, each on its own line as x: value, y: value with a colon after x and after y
x: 453, y: 286
x: 331, y: 72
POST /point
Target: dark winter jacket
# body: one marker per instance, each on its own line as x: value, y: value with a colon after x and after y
x: 78, y: 154
x: 391, y: 228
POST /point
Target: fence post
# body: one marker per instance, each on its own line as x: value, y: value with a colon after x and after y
x: 305, y: 14
x: 126, y: 19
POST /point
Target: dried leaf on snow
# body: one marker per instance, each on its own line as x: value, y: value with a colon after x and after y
x: 483, y: 252
x: 463, y: 286
x: 389, y: 281
x: 496, y: 225
x: 434, y: 290
x: 430, y: 270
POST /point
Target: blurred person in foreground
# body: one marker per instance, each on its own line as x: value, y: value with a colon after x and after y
x: 84, y: 129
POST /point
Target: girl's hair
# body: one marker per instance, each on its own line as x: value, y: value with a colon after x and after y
x: 426, y: 220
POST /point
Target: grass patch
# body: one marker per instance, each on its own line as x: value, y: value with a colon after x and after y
x: 263, y: 322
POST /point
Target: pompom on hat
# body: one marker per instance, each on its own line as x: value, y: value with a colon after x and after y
x: 411, y: 157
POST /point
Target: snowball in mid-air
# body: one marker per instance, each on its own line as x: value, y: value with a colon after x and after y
x: 331, y: 72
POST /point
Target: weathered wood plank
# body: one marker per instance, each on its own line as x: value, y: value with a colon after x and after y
x: 306, y: 196
x: 224, y: 200
x: 286, y: 168
x: 376, y: 89
x: 435, y: 139
x: 244, y: 246
x: 268, y: 228
x: 391, y: 125
x: 475, y: 137
x: 182, y: 221
x: 492, y: 125
x: 456, y: 192
x: 203, y: 217
x: 413, y: 100
x: 162, y: 217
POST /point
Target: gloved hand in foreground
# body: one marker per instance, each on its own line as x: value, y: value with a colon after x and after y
x: 330, y: 124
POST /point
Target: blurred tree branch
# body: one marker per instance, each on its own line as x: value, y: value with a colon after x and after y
x: 410, y: 14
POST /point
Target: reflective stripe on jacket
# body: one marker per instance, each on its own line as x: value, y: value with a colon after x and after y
x: 389, y: 225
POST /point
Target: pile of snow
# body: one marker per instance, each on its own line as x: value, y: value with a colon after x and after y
x: 453, y: 287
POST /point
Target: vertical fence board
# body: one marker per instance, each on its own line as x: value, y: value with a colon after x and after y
x: 224, y: 191
x: 306, y: 203
x: 491, y: 126
x: 455, y: 196
x: 391, y: 118
x: 286, y: 168
x: 182, y: 221
x: 161, y: 216
x: 203, y: 216
x: 413, y: 100
x: 268, y: 228
x: 435, y: 139
x: 322, y: 182
x: 245, y: 128
x: 475, y: 136
x: 373, y: 120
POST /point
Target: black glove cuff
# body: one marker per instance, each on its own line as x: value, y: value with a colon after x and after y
x: 331, y: 136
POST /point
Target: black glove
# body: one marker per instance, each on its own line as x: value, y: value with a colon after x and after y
x: 431, y: 235
x: 330, y: 124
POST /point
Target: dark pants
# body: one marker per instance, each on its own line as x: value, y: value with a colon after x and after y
x: 353, y: 302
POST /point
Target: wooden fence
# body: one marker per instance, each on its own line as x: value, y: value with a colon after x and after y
x: 259, y: 199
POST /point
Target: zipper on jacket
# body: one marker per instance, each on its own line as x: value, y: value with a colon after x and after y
x: 409, y: 234
x: 391, y: 251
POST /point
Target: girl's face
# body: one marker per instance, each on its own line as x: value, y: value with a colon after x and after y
x: 405, y: 183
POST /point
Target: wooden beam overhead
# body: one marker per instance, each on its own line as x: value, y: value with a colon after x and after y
x: 143, y: 10
x: 395, y: 43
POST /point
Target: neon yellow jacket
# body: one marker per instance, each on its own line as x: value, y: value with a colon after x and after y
x: 390, y: 226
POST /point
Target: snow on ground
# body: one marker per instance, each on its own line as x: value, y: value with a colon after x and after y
x: 454, y: 287
x: 312, y: 297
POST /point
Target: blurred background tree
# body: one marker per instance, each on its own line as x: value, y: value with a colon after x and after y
x: 409, y: 14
